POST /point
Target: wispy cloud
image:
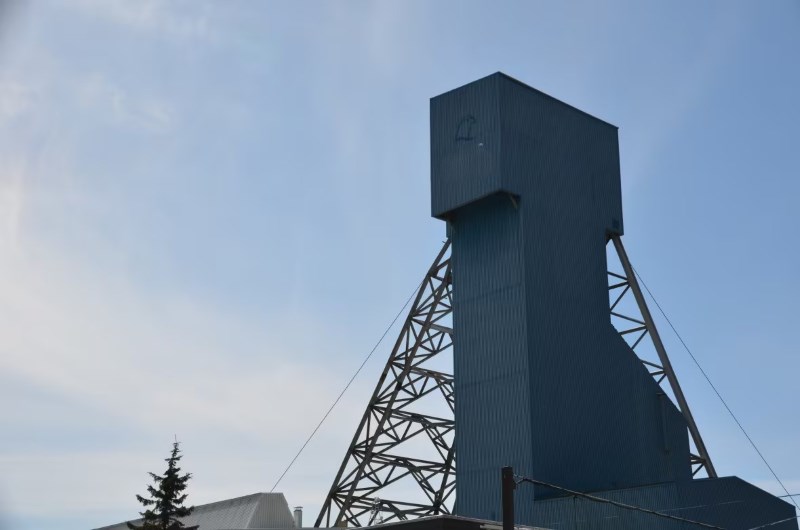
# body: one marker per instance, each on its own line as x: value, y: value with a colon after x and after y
x: 121, y: 357
x: 11, y: 200
x: 99, y: 94
x: 178, y: 19
x: 15, y: 99
x: 90, y: 333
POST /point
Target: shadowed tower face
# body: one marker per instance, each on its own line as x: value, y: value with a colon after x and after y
x: 530, y: 188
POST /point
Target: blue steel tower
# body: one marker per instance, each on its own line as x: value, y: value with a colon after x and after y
x: 530, y: 190
x: 545, y: 377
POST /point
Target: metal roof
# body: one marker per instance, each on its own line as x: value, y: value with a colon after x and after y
x: 258, y: 510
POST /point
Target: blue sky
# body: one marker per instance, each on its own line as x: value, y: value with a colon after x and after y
x: 210, y: 211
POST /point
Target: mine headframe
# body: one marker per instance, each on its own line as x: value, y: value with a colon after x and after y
x: 402, y: 450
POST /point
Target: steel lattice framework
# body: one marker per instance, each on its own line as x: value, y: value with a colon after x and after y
x: 634, y: 329
x: 378, y: 456
x: 375, y: 458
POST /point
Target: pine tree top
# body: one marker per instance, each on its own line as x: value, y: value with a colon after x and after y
x: 166, y: 498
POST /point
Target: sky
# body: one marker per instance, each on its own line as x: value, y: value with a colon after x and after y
x: 209, y: 213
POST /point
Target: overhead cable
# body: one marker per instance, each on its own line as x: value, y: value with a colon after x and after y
x: 616, y: 503
x: 708, y: 380
x: 775, y: 522
x: 350, y: 382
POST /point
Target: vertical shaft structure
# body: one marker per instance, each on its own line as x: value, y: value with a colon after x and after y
x: 530, y: 190
x: 545, y: 364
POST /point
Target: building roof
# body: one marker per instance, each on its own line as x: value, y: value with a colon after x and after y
x: 259, y: 510
x: 448, y: 522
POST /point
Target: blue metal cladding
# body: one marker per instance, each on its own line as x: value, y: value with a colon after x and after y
x: 492, y: 390
x: 465, y: 145
x: 543, y: 381
x: 727, y: 502
x: 530, y: 188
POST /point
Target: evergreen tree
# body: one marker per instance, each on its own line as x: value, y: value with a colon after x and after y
x: 166, y: 500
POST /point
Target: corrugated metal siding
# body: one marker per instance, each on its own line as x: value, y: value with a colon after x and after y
x: 489, y: 292
x: 272, y: 511
x: 566, y: 166
x: 727, y: 502
x: 233, y: 513
x: 465, y: 145
x: 543, y: 381
x: 259, y: 510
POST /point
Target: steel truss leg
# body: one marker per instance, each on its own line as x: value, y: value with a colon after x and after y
x: 374, y: 460
x: 629, y: 282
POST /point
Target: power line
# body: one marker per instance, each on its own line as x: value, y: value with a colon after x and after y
x: 705, y: 375
x: 708, y: 380
x: 617, y: 504
x: 775, y: 522
x: 641, y: 509
x: 339, y: 397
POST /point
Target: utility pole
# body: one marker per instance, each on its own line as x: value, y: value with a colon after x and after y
x: 508, y: 497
